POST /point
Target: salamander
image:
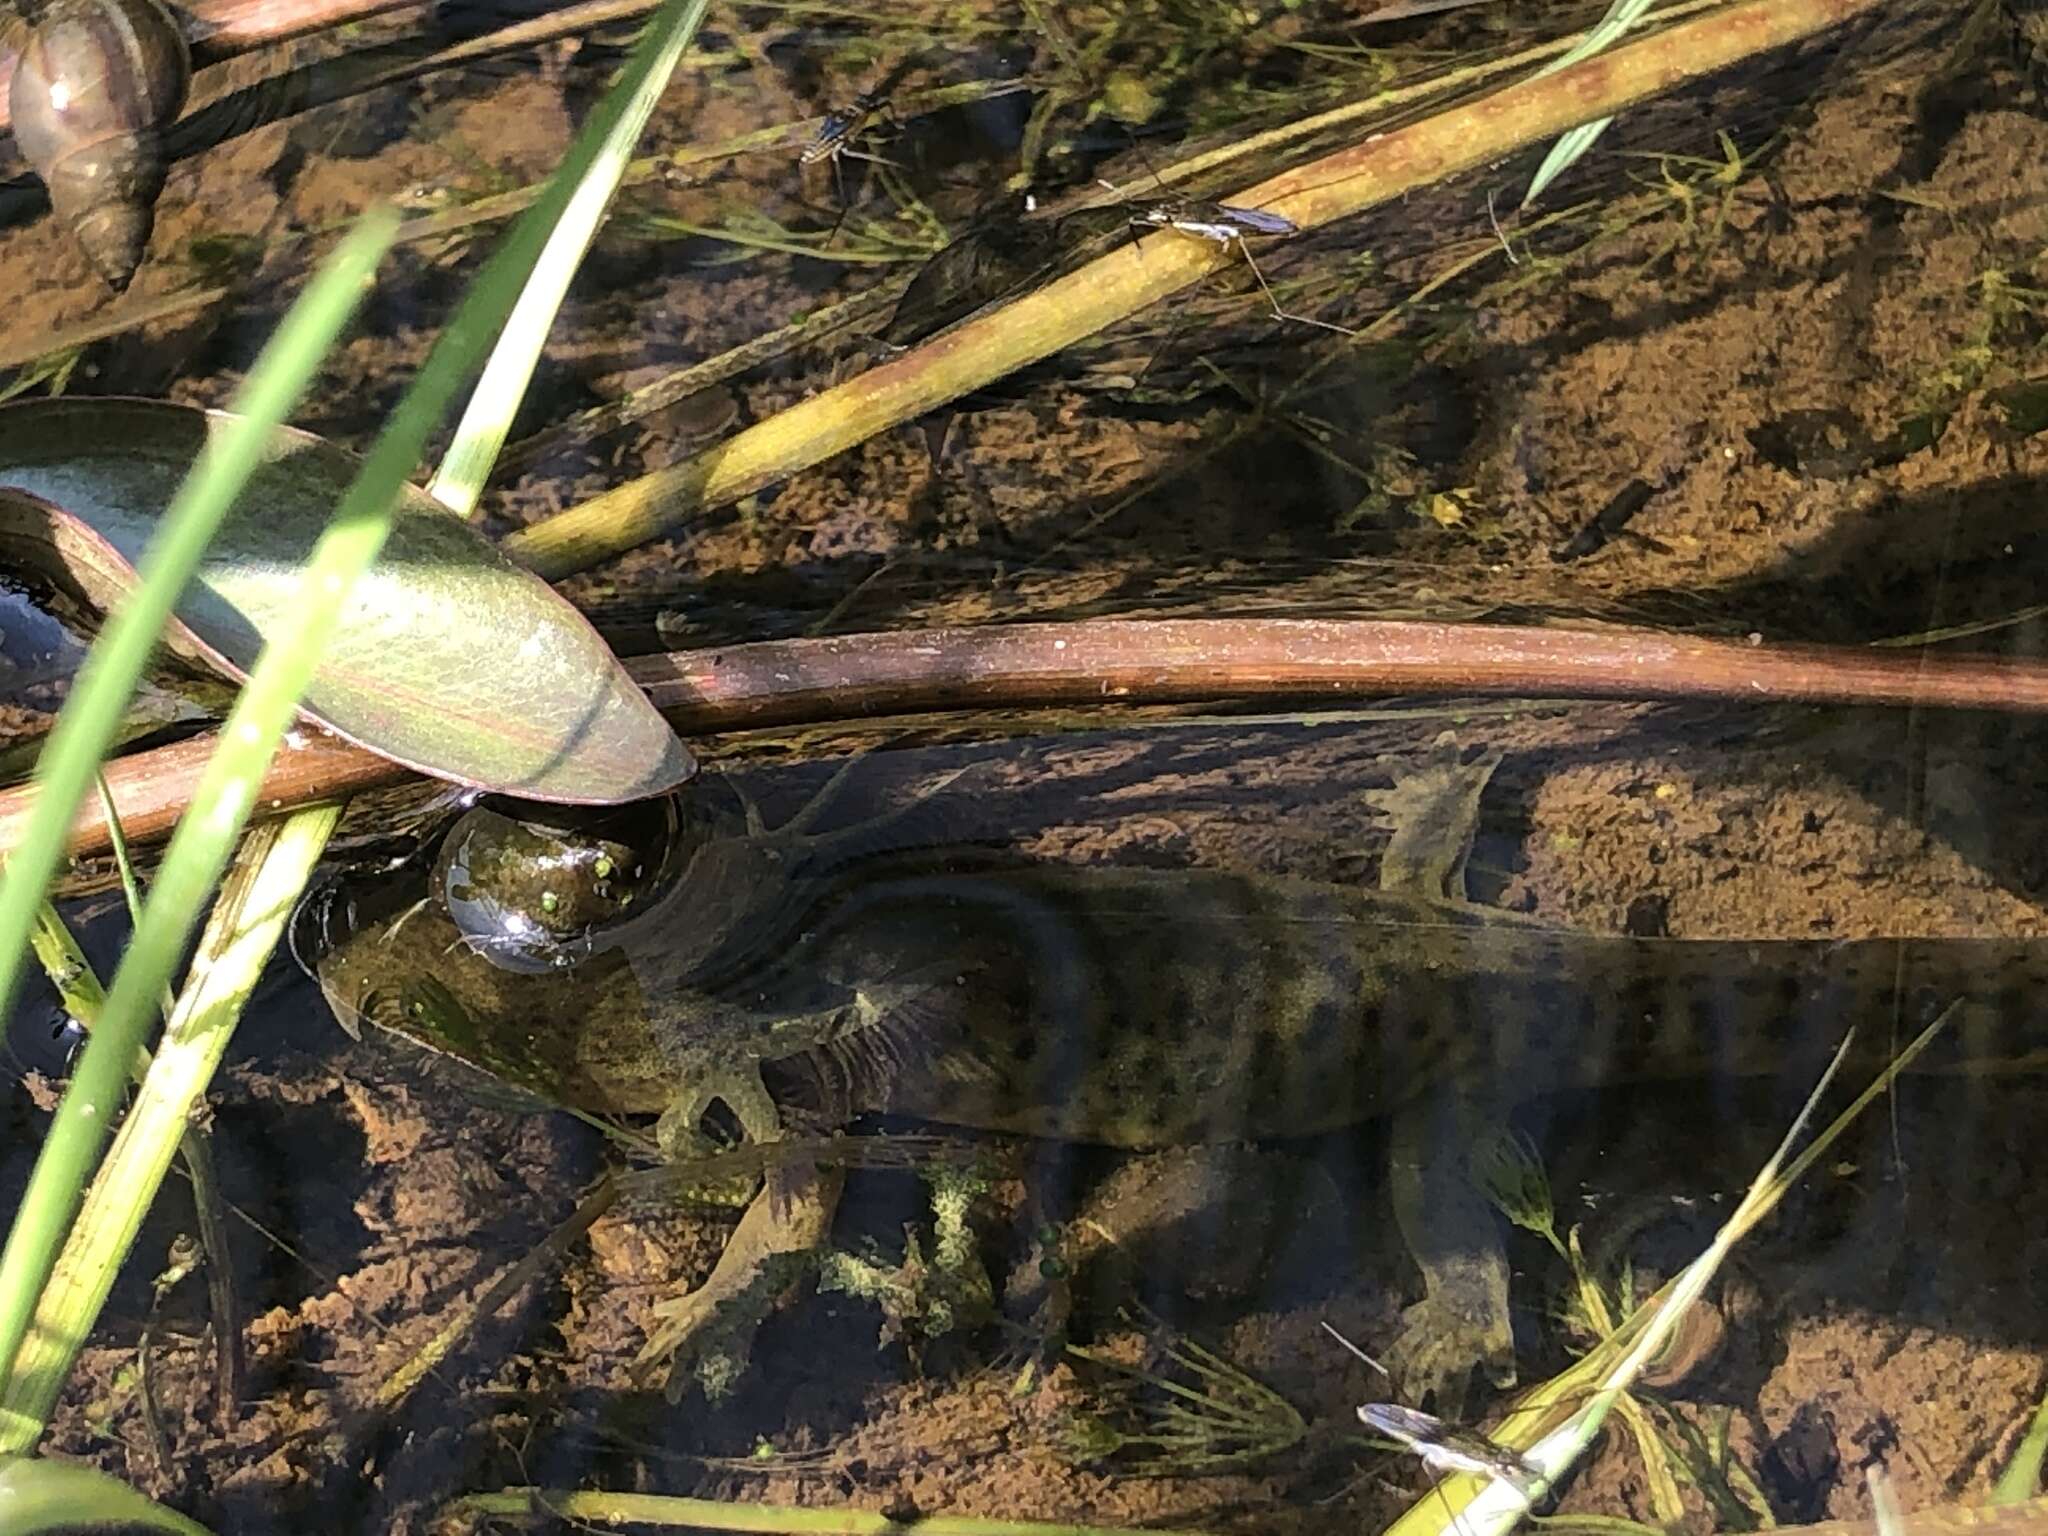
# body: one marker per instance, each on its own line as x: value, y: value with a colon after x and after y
x: 1132, y: 1007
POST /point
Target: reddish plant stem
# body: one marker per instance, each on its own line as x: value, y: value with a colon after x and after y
x: 220, y: 29
x: 1309, y: 662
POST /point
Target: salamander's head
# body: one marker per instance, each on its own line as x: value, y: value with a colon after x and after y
x: 522, y: 925
x: 541, y: 943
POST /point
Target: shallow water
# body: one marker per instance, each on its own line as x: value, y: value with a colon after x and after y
x: 1777, y: 395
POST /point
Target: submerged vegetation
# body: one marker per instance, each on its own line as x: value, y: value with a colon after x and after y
x: 1195, y: 245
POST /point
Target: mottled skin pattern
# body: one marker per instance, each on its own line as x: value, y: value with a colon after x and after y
x: 1143, y: 1008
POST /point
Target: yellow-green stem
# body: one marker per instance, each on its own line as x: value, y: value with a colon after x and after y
x: 1134, y: 276
x: 275, y: 861
x: 710, y: 1515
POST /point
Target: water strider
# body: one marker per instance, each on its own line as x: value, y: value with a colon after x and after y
x: 801, y: 977
x: 1002, y: 256
x: 1448, y: 1448
x: 1442, y: 1447
x: 840, y: 127
x: 1229, y: 226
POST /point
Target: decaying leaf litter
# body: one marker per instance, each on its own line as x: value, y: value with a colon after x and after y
x: 1586, y: 825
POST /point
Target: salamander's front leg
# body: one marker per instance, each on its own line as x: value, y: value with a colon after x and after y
x: 1450, y: 1227
x: 709, y: 1331
x: 733, y: 1079
x: 706, y: 1336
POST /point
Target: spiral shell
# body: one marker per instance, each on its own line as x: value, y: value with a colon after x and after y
x: 97, y: 83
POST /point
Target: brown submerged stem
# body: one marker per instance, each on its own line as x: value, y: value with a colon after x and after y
x: 1129, y: 662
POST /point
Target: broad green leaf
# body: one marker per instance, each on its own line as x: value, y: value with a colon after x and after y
x: 453, y: 660
x: 39, y: 1495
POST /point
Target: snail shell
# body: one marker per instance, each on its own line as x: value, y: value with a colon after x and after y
x: 97, y: 83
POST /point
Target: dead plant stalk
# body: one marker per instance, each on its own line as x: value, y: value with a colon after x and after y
x: 1134, y: 276
x: 1127, y: 662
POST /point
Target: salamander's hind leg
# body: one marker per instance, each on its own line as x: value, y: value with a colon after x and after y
x: 1454, y: 1234
x: 1435, y: 811
x: 1449, y: 1226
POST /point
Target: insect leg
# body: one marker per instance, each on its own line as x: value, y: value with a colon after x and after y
x: 1272, y: 299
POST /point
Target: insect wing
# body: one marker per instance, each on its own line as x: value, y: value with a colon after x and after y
x: 1257, y: 221
x: 1409, y: 1426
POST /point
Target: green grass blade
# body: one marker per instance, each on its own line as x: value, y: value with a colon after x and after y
x: 488, y: 418
x: 225, y: 794
x: 85, y: 729
x: 1566, y: 152
x: 2022, y: 1478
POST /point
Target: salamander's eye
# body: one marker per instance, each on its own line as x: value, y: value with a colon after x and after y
x: 536, y: 888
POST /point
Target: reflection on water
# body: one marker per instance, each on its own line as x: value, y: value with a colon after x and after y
x: 1208, y: 1021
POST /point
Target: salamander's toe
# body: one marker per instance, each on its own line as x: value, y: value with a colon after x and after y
x: 1440, y: 1345
x: 704, y: 1336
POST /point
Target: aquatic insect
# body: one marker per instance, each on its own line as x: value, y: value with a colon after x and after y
x: 1445, y: 1448
x: 97, y: 83
x: 1441, y: 1447
x: 1226, y: 225
x: 841, y: 126
x: 833, y: 143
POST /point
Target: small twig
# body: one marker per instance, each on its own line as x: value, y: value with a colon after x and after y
x: 1120, y: 663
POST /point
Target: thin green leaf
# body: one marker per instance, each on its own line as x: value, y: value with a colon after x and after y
x: 2021, y: 1479
x: 1566, y: 152
x: 131, y: 887
x: 38, y: 1495
x: 488, y: 418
